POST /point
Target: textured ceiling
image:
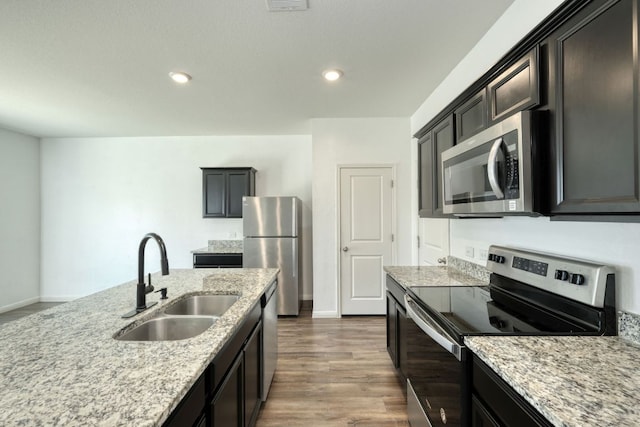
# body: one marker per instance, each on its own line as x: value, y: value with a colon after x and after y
x: 100, y: 67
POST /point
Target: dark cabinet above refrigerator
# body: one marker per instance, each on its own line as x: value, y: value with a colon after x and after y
x: 223, y: 190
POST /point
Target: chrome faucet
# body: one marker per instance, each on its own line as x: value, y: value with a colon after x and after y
x: 143, y: 289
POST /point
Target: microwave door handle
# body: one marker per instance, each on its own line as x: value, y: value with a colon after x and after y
x: 431, y: 329
x: 492, y: 168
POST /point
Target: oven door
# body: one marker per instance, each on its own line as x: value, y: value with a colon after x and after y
x: 487, y: 174
x: 436, y: 373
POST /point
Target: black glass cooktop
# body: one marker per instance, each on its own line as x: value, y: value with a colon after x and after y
x: 481, y: 310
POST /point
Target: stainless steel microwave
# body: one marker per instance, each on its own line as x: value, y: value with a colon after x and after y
x: 493, y: 173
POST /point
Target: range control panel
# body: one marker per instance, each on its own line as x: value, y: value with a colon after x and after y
x: 580, y: 280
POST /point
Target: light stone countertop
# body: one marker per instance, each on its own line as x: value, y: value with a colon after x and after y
x: 62, y: 366
x: 572, y: 381
x: 431, y: 276
x: 221, y: 247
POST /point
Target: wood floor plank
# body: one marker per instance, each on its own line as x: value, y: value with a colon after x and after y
x: 334, y: 373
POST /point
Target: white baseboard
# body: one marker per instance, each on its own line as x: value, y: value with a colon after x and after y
x: 19, y: 304
x: 325, y: 314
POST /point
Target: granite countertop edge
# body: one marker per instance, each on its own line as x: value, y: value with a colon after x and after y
x: 549, y: 372
x: 62, y: 366
x: 407, y: 276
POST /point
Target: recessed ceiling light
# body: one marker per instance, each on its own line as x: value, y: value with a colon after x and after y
x: 180, y: 77
x: 332, y: 75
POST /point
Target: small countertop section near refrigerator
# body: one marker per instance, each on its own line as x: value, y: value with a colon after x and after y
x: 457, y: 273
x: 552, y: 372
x: 221, y: 247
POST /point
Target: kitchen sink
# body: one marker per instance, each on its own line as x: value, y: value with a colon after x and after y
x: 168, y: 328
x: 202, y: 305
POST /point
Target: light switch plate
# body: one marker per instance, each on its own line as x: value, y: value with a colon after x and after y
x: 468, y: 251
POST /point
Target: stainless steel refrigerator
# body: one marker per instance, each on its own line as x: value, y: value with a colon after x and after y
x: 272, y: 232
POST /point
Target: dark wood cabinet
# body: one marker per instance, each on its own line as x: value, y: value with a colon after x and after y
x: 190, y: 410
x: 228, y: 393
x: 430, y: 148
x: 496, y: 404
x: 516, y: 89
x: 223, y: 189
x: 217, y: 260
x: 472, y: 116
x: 252, y: 376
x: 594, y: 99
x: 396, y: 327
x: 226, y: 409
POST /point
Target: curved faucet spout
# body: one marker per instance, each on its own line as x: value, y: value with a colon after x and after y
x: 142, y: 289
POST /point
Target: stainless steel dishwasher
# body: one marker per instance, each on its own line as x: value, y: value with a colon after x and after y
x: 269, y: 338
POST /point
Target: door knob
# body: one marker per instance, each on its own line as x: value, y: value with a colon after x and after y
x: 442, y: 260
x: 345, y: 249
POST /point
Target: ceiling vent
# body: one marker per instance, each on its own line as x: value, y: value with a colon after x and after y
x: 286, y: 5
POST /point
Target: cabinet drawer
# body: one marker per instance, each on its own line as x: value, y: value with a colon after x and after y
x: 217, y: 260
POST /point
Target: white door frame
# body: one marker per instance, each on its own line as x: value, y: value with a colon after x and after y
x: 394, y: 230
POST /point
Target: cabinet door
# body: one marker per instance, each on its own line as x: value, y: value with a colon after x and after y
x: 430, y: 148
x: 593, y: 72
x: 425, y: 176
x: 480, y: 416
x: 214, y: 194
x: 516, y: 89
x: 443, y: 138
x: 402, y: 320
x: 392, y: 330
x: 226, y: 408
x: 237, y: 187
x: 252, y: 376
x: 471, y: 117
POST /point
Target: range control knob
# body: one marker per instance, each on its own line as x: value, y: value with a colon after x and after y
x: 562, y: 274
x: 491, y: 257
x: 576, y: 279
x: 499, y: 259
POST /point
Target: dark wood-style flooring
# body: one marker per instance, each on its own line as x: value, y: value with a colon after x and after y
x: 333, y: 372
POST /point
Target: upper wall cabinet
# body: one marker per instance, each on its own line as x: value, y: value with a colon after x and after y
x: 594, y: 99
x: 472, y: 116
x: 223, y: 189
x: 516, y: 89
x: 430, y: 148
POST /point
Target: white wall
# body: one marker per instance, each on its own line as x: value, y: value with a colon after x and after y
x: 613, y: 243
x: 19, y: 220
x: 101, y: 195
x: 349, y: 142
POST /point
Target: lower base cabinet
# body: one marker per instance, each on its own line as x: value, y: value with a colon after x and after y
x: 228, y: 392
x: 495, y: 404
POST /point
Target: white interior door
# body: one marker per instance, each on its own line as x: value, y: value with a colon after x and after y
x: 366, y: 210
x: 434, y: 241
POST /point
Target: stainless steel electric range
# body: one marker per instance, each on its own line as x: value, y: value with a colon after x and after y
x: 529, y: 293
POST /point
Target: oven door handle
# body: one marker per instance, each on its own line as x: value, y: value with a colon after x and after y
x: 492, y: 168
x: 430, y: 328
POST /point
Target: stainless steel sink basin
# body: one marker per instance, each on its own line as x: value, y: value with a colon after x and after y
x: 168, y: 329
x: 202, y: 305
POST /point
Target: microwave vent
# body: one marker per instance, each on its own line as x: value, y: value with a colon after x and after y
x: 286, y: 5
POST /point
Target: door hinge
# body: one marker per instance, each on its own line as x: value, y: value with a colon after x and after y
x: 418, y: 237
x: 393, y: 239
x: 391, y: 183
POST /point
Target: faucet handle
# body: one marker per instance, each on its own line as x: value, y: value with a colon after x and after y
x: 163, y: 293
x: 149, y: 288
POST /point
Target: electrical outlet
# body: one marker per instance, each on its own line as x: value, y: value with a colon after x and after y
x: 482, y: 254
x: 232, y: 234
x: 468, y: 251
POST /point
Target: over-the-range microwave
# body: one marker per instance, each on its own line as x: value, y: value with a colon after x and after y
x: 497, y: 172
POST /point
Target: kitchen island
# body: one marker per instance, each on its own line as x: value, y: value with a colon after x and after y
x: 63, y: 367
x: 571, y: 381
